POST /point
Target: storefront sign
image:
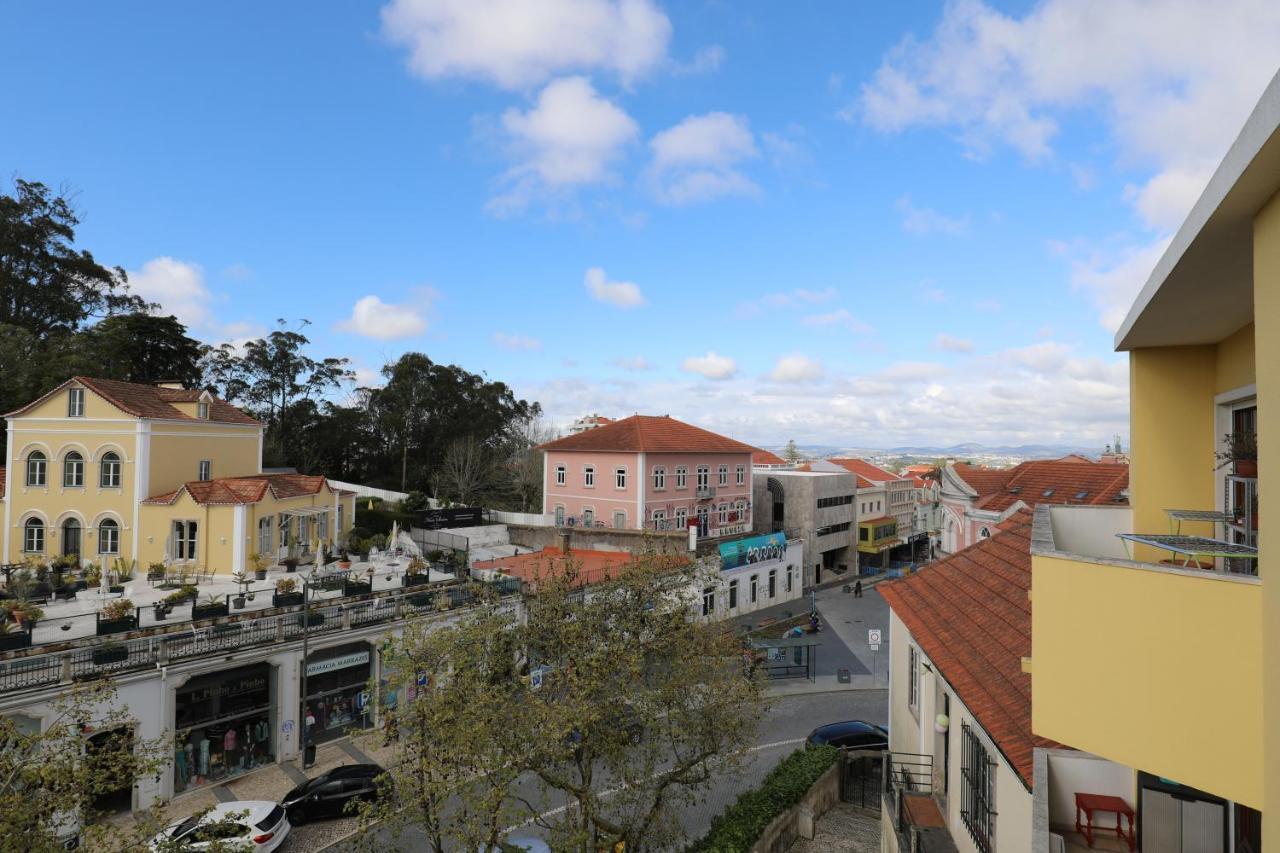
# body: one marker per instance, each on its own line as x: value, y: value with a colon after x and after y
x: 729, y: 530
x: 757, y: 549
x: 340, y: 662
x: 224, y: 689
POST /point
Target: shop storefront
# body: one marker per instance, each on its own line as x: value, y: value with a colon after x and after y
x: 338, y: 691
x: 224, y: 728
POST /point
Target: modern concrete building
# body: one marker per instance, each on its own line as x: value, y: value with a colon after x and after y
x: 815, y: 506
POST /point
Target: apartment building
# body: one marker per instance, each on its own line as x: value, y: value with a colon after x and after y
x: 99, y: 469
x: 1152, y: 619
x: 886, y: 510
x: 649, y: 472
x: 814, y: 506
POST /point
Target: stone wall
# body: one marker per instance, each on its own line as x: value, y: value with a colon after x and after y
x: 799, y: 820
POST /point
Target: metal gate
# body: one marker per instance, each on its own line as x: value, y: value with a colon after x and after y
x: 861, y: 775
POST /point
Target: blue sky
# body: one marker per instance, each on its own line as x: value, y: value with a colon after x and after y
x: 847, y: 223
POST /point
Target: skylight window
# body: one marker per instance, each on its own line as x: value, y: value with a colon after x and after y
x: 1015, y: 489
x: 1082, y: 495
x: 1047, y: 493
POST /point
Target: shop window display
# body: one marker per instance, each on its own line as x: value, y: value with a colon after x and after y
x: 338, y: 692
x: 223, y: 721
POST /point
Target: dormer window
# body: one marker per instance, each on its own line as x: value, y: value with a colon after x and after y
x: 75, y: 403
x: 202, y: 410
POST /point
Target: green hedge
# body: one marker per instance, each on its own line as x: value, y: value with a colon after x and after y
x: 378, y: 520
x: 743, y: 822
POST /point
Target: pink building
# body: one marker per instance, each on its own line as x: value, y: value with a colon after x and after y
x: 646, y: 472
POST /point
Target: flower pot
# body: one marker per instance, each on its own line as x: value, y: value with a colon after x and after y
x: 15, y: 640
x: 260, y: 574
x: 286, y: 599
x: 116, y: 626
x: 356, y: 588
x: 238, y: 602
x: 415, y: 580
x: 208, y: 611
x: 160, y: 613
x: 110, y: 654
x: 116, y: 589
x: 344, y: 564
x: 1246, y: 467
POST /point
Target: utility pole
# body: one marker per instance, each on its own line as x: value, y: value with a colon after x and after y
x: 302, y: 699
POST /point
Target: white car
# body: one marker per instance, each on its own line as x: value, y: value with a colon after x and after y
x: 259, y: 826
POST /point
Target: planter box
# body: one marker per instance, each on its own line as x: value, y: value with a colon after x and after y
x: 415, y: 580
x: 286, y: 599
x: 209, y: 611
x: 110, y: 655
x: 15, y: 640
x: 116, y: 626
x: 332, y: 582
x: 312, y: 619
x: 260, y: 574
x: 116, y: 589
x: 422, y: 599
x: 356, y: 588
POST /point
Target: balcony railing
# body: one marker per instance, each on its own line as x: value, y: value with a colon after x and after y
x: 908, y: 801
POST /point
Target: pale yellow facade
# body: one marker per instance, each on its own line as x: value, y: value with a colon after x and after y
x: 125, y: 459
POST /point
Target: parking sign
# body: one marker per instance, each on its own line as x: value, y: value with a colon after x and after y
x: 873, y: 636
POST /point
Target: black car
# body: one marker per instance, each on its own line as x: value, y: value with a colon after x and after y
x: 851, y: 734
x: 328, y: 795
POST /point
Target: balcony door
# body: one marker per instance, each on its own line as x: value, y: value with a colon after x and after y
x: 1176, y: 819
x: 71, y: 538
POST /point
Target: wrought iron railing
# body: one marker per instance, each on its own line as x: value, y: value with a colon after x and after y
x: 908, y: 775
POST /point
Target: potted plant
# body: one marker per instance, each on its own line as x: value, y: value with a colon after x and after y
x: 344, y: 559
x: 13, y: 636
x: 1241, y: 452
x: 180, y: 596
x: 260, y: 563
x: 211, y: 608
x: 353, y: 586
x: 242, y: 580
x: 160, y: 610
x: 22, y: 613
x: 417, y: 574
x: 290, y: 564
x: 286, y: 594
x: 92, y: 577
x: 110, y: 652
x: 116, y: 616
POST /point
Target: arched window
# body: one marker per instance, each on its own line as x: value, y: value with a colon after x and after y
x: 36, y: 466
x: 73, y: 470
x: 33, y: 536
x: 108, y: 537
x: 109, y: 475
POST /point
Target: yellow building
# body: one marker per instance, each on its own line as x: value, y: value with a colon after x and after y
x: 100, y: 469
x: 1156, y: 628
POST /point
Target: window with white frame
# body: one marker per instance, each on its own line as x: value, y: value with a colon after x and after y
x: 560, y: 475
x: 773, y: 582
x: 659, y: 478
x: 682, y: 517
x: 202, y: 411
x: 708, y: 600
x: 73, y: 470
x: 788, y: 579
x: 205, y: 470
x: 724, y: 514
x: 755, y: 588
x: 659, y: 519
x: 109, y: 471
x: 589, y: 477
x: 37, y: 467
x: 108, y: 537
x: 33, y: 536
x: 704, y: 476
x: 619, y: 519
x: 724, y: 475
x: 733, y: 594
x: 741, y: 475
x: 184, y: 540
x: 619, y: 478
x: 264, y: 534
x: 75, y: 403
x: 588, y: 516
x: 559, y: 515
x: 741, y: 509
x: 682, y: 477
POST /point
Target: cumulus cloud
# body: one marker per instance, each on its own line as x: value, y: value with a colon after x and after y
x: 796, y: 367
x: 707, y: 60
x: 515, y: 44
x: 699, y: 159
x: 635, y: 363
x: 1174, y: 98
x: 517, y: 343
x: 178, y: 287
x: 620, y: 294
x: 947, y: 343
x: 923, y: 220
x: 373, y: 318
x: 710, y: 366
x: 571, y: 137
x: 1112, y: 280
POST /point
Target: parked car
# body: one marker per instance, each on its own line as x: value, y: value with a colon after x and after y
x: 851, y: 734
x: 328, y: 795
x: 518, y: 841
x: 257, y: 825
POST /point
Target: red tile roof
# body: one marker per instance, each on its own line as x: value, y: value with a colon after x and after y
x: 649, y: 434
x: 865, y: 470
x: 766, y: 457
x: 970, y: 614
x: 150, y: 401
x: 244, y: 490
x: 592, y: 566
x: 1047, y: 481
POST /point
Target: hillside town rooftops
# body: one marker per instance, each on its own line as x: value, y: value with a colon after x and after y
x: 1047, y: 481
x: 766, y: 457
x: 865, y: 470
x: 649, y: 434
x: 591, y: 566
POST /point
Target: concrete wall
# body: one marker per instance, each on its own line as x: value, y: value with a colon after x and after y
x: 599, y: 539
x: 798, y: 821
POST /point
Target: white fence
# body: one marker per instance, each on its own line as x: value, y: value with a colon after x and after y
x: 369, y: 491
x: 532, y: 519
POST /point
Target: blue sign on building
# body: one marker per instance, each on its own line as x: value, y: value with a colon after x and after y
x: 757, y: 549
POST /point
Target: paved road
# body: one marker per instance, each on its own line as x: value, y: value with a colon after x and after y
x: 783, y: 730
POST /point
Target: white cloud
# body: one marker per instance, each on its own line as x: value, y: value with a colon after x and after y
x: 796, y: 367
x: 237, y: 272
x: 705, y: 61
x: 177, y: 286
x: 621, y: 294
x: 373, y: 318
x: 572, y: 137
x: 786, y: 299
x: 516, y: 44
x: 711, y: 366
x: 636, y: 363
x: 839, y: 317
x: 519, y: 343
x: 1112, y: 280
x: 1177, y: 79
x: 947, y: 343
x: 922, y: 220
x: 698, y: 159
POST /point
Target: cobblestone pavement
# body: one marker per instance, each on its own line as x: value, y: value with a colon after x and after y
x: 844, y: 829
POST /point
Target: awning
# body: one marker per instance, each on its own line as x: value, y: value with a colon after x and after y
x: 306, y: 511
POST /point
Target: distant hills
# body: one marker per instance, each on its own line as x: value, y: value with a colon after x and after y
x: 1024, y: 451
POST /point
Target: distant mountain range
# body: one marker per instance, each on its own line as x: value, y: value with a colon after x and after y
x: 1024, y: 451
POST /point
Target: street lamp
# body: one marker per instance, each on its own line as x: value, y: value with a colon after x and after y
x: 308, y: 749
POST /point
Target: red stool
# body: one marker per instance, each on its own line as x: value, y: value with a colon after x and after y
x: 1090, y: 803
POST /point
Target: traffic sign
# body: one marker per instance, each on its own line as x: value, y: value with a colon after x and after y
x: 873, y: 636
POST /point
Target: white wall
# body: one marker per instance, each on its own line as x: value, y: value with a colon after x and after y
x: 532, y: 519
x: 1077, y: 772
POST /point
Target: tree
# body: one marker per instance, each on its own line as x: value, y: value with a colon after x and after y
x: 467, y: 471
x: 140, y: 347
x: 791, y: 453
x: 526, y: 463
x: 639, y: 708
x: 46, y: 286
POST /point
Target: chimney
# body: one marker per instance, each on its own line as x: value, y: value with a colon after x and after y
x: 564, y: 541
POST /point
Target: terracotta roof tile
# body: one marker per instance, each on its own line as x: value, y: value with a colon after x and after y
x: 593, y: 566
x: 970, y: 614
x: 652, y: 434
x: 1053, y: 481
x: 865, y: 469
x: 766, y: 457
x: 150, y: 401
x: 244, y: 490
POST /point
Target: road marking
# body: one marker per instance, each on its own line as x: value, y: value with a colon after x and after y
x: 775, y: 744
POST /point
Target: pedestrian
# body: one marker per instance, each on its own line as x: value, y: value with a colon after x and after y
x: 857, y: 589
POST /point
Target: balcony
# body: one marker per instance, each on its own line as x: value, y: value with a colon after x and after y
x: 912, y: 820
x: 1126, y: 653
x: 703, y: 493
